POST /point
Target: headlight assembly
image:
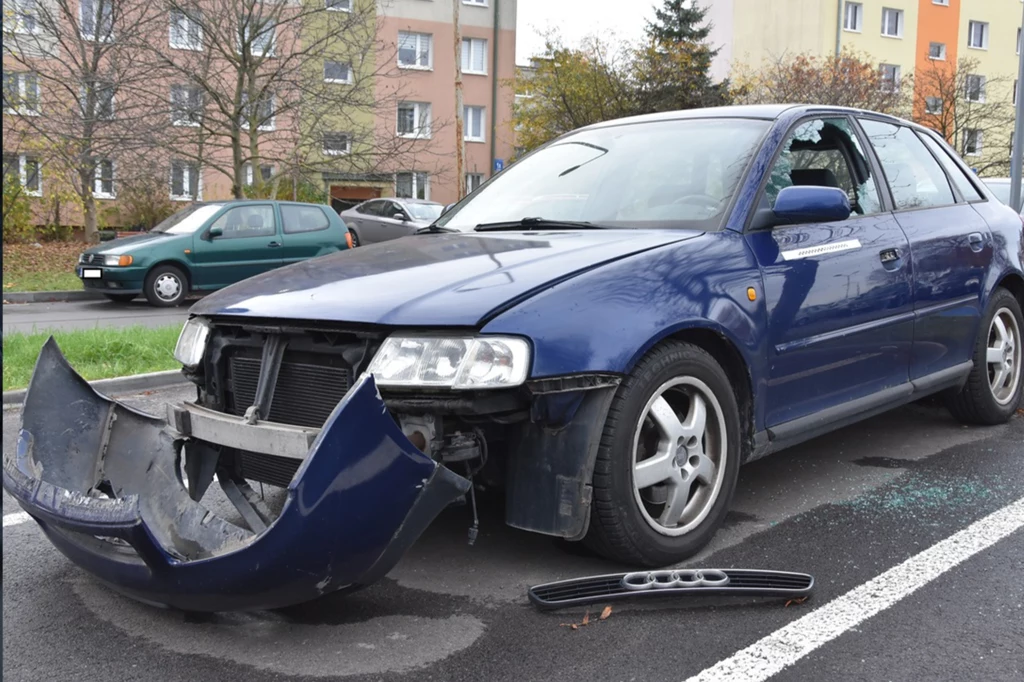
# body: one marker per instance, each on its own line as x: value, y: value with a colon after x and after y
x: 451, y: 362
x: 192, y: 342
x: 122, y: 261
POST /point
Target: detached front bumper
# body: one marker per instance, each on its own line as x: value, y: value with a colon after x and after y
x: 119, y: 493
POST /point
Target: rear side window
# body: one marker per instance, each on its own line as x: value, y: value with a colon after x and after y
x: 960, y: 179
x: 303, y: 219
x: 914, y: 176
x: 370, y: 208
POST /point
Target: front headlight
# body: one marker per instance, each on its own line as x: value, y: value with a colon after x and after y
x: 192, y: 342
x: 451, y: 362
x: 122, y: 261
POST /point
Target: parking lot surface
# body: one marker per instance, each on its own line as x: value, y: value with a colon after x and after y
x: 910, y: 524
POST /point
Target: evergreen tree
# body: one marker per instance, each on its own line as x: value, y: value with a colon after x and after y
x: 679, y: 21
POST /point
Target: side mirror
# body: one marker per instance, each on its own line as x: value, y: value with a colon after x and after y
x: 810, y: 204
x: 447, y: 208
x: 215, y: 232
x: 400, y: 216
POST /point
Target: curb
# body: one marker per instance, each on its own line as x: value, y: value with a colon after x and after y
x: 49, y: 296
x: 134, y: 382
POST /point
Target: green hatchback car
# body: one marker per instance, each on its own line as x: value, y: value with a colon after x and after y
x: 208, y: 246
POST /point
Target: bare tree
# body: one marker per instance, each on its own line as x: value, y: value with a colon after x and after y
x: 73, y: 69
x: 974, y: 112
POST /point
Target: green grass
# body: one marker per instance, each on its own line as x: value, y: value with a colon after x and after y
x: 47, y: 266
x: 46, y: 281
x: 94, y: 353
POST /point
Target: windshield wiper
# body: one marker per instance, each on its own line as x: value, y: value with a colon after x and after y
x: 538, y: 224
x: 434, y: 229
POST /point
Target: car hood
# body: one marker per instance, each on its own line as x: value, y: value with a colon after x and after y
x: 116, y: 247
x: 453, y: 279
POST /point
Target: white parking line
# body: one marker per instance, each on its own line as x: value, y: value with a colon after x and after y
x: 789, y: 644
x: 15, y: 519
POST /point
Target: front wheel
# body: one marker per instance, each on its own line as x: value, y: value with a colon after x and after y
x: 166, y: 286
x: 993, y: 388
x: 668, y: 461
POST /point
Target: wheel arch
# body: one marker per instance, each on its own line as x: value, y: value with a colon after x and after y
x: 1014, y: 283
x: 181, y: 265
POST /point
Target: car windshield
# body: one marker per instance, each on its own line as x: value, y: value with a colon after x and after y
x: 187, y: 220
x: 425, y: 211
x: 665, y: 174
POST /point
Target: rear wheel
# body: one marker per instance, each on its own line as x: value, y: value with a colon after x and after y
x: 121, y: 298
x: 993, y: 389
x: 355, y: 238
x: 166, y: 286
x: 668, y: 461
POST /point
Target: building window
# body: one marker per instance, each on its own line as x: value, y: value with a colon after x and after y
x: 933, y: 105
x: 186, y: 105
x: 944, y: 3
x: 415, y: 50
x: 474, y: 121
x: 473, y: 181
x: 24, y: 18
x: 477, y: 3
x: 1014, y: 90
x: 102, y: 101
x: 259, y: 38
x: 24, y: 169
x: 338, y: 5
x: 1018, y: 41
x: 972, y: 142
x: 337, y: 72
x: 103, y: 185
x: 414, y: 119
x: 266, y: 173
x: 412, y: 186
x: 853, y: 17
x: 474, y: 56
x: 890, y: 77
x: 21, y: 93
x: 262, y: 116
x: 977, y: 35
x: 892, y: 22
x: 936, y: 50
x: 185, y: 181
x: 337, y: 144
x: 186, y: 31
x: 975, y: 88
x: 97, y: 19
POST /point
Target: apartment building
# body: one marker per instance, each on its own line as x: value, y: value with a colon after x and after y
x: 413, y: 71
x: 903, y: 36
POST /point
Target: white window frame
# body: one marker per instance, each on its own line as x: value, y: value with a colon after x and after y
x: 185, y: 21
x: 20, y: 77
x: 84, y: 93
x: 92, y: 37
x: 185, y: 123
x: 942, y: 51
x: 979, y: 142
x: 271, y: 29
x: 467, y: 56
x: 857, y: 16
x: 187, y: 181
x: 247, y: 167
x: 266, y: 126
x: 467, y: 135
x: 23, y: 174
x: 475, y: 3
x: 899, y: 22
x: 336, y: 152
x: 473, y: 181
x: 97, y: 184
x: 25, y: 9
x: 984, y: 26
x: 897, y: 75
x: 422, y: 113
x: 944, y: 3
x: 420, y: 37
x: 339, y: 6
x: 415, y: 184
x: 929, y: 109
x: 981, y: 89
x: 339, y: 81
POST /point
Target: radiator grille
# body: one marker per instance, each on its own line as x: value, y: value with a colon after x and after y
x: 305, y: 394
x: 270, y: 469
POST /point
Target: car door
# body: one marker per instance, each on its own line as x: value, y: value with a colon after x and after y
x: 306, y: 232
x: 369, y: 221
x: 837, y: 294
x: 950, y: 244
x: 392, y: 227
x: 248, y: 243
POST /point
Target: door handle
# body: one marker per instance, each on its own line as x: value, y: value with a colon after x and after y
x: 976, y: 240
x: 890, y: 255
x: 274, y: 245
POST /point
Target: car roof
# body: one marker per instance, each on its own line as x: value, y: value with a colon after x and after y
x: 414, y: 201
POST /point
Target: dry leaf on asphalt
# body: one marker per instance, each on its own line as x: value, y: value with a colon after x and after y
x: 798, y: 600
x: 607, y: 612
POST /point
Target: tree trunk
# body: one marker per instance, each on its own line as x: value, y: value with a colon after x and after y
x: 92, y: 234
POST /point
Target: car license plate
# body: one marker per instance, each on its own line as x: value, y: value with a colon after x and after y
x: 92, y: 273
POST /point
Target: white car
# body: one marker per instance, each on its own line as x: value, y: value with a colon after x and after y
x: 1001, y: 188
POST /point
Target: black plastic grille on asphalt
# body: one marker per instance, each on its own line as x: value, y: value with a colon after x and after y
x: 655, y: 584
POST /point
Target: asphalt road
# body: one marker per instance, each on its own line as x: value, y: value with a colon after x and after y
x: 39, y: 317
x: 875, y: 512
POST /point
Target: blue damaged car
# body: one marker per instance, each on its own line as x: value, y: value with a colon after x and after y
x: 604, y: 332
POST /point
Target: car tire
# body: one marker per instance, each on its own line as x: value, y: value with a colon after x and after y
x: 992, y: 392
x: 166, y: 286
x: 630, y: 522
x: 120, y: 298
x: 355, y: 238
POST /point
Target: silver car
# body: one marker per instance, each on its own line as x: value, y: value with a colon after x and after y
x: 1001, y: 188
x: 379, y: 220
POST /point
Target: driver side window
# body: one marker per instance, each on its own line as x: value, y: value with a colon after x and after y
x: 826, y: 152
x: 247, y: 221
